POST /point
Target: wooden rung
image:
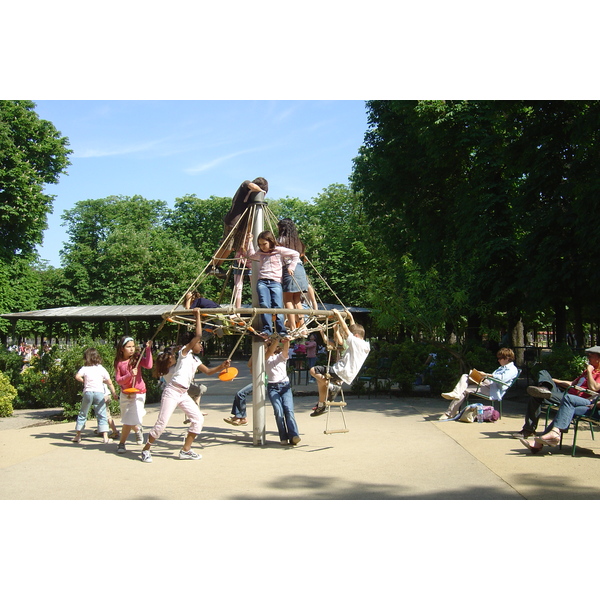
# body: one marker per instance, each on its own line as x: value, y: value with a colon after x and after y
x: 336, y: 431
x: 335, y: 403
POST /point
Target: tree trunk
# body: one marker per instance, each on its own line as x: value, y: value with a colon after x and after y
x: 560, y: 329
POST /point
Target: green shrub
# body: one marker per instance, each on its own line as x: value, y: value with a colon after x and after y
x: 11, y: 364
x: 562, y: 363
x: 7, y: 396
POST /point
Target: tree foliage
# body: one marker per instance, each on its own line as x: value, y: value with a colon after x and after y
x: 32, y: 154
x: 493, y: 195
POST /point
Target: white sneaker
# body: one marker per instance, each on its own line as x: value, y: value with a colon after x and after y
x: 444, y: 417
x: 189, y: 455
x: 146, y: 456
x: 451, y: 396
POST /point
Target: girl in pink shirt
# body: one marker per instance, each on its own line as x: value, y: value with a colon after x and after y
x: 127, y: 375
x: 270, y: 257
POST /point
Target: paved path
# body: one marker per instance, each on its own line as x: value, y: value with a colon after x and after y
x: 396, y: 449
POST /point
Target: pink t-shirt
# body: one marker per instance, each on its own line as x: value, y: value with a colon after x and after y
x: 271, y: 263
x: 124, y: 377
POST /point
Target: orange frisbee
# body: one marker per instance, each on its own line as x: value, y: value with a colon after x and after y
x: 131, y: 391
x: 228, y: 374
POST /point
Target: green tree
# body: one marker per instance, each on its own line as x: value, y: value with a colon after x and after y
x: 492, y: 195
x: 32, y: 154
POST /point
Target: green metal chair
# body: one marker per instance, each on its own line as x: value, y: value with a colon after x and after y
x: 592, y: 417
x: 485, y: 396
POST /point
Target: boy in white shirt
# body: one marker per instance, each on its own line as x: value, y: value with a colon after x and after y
x: 330, y: 379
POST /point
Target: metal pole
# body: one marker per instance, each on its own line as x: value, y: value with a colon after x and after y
x: 258, y: 347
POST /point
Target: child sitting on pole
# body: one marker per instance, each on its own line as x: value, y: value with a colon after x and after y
x: 330, y: 378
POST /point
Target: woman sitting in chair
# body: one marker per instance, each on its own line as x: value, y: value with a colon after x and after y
x: 505, y: 373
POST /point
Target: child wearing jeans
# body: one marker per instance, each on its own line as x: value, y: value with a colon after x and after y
x: 270, y: 257
x: 93, y: 376
x: 280, y: 391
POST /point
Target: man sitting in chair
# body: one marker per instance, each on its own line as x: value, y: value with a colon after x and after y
x: 549, y: 388
x: 505, y: 373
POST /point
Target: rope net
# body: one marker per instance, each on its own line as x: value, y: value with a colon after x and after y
x: 231, y: 318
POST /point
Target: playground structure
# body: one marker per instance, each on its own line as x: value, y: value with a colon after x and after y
x: 240, y: 321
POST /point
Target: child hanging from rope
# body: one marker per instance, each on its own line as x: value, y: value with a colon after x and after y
x: 270, y: 293
x: 176, y: 394
x: 280, y: 393
x: 330, y: 378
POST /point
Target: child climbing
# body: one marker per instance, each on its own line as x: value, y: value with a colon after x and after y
x: 330, y: 378
x: 128, y: 375
x: 237, y: 218
x: 279, y: 390
x: 176, y: 394
x: 270, y: 257
x: 294, y: 287
x: 93, y: 376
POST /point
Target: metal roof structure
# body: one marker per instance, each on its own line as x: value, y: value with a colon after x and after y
x: 138, y: 312
x: 94, y: 313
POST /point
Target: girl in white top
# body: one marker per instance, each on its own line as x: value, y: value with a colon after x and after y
x: 280, y: 393
x: 93, y: 376
x: 176, y: 394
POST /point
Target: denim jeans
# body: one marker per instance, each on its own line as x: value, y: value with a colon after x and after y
x: 282, y: 399
x: 270, y: 295
x: 95, y: 399
x: 239, y: 402
x: 570, y: 405
x: 574, y: 405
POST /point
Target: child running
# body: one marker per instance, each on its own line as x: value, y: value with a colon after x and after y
x: 345, y: 369
x: 270, y: 293
x: 129, y: 376
x: 175, y: 394
x: 280, y: 391
x: 93, y: 376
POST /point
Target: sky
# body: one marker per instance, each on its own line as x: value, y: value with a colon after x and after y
x: 165, y: 149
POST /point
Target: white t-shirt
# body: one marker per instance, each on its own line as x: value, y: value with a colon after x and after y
x: 352, y: 360
x: 276, y: 368
x: 93, y: 378
x: 185, y: 369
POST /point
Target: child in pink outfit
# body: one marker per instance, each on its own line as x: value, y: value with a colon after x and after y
x: 176, y: 394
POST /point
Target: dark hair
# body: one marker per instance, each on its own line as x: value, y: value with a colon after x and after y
x: 267, y: 235
x: 288, y: 236
x: 161, y: 366
x: 119, y: 356
x: 92, y: 357
x: 262, y: 183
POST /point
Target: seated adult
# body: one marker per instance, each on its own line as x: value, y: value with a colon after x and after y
x: 506, y: 372
x: 576, y: 402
